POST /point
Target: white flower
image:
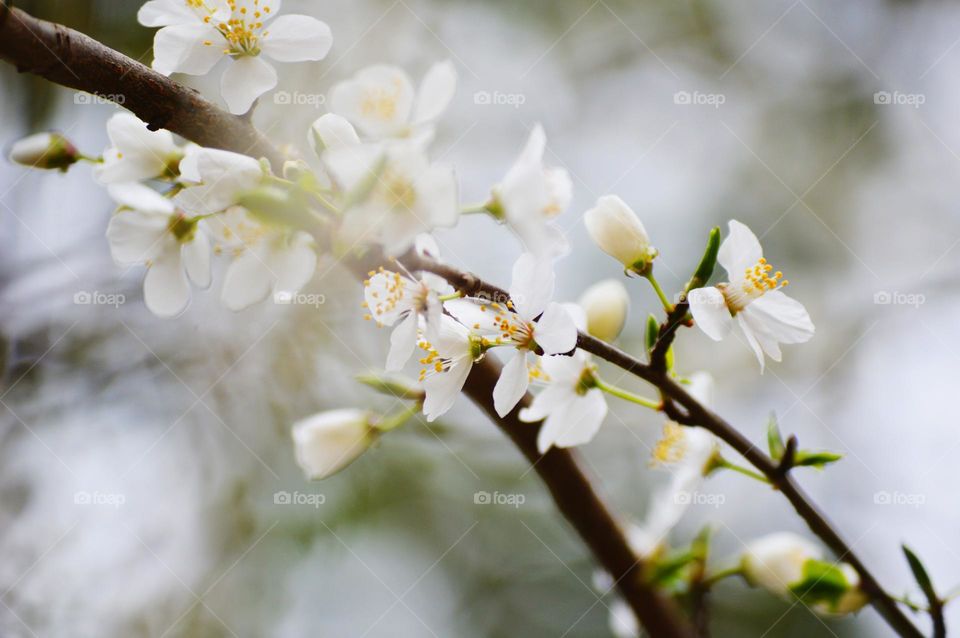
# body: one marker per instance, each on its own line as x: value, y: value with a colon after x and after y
x: 513, y: 324
x: 219, y: 178
x: 44, y: 150
x: 392, y: 193
x: 327, y: 442
x: 605, y: 304
x: 617, y: 230
x: 137, y: 153
x: 447, y: 363
x: 690, y: 453
x: 572, y: 407
x: 380, y: 100
x: 155, y: 233
x: 266, y: 259
x: 391, y: 297
x: 531, y: 195
x: 196, y: 34
x: 331, y: 131
x: 766, y: 315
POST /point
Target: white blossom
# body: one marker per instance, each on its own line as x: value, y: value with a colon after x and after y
x: 413, y: 304
x: 266, y: 259
x: 196, y: 34
x: 381, y: 102
x: 766, y: 315
x: 327, y: 442
x: 155, y: 233
x: 527, y: 322
x: 447, y: 362
x: 531, y: 195
x: 606, y: 304
x: 392, y: 193
x: 617, y: 230
x: 137, y: 153
x: 217, y: 180
x: 571, y: 406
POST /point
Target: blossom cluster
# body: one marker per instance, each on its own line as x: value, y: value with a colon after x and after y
x: 372, y: 188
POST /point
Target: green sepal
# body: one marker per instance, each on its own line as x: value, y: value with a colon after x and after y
x: 707, y: 263
x: 775, y: 439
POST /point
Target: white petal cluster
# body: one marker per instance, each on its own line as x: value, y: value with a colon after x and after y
x: 196, y: 34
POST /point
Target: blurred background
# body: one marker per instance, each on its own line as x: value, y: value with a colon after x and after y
x: 140, y: 459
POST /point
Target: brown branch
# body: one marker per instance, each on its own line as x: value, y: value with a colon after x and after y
x: 695, y: 414
x: 72, y: 59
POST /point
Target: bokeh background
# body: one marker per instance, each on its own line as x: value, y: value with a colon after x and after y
x: 829, y: 128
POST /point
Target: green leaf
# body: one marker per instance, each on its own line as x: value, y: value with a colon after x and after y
x: 822, y: 581
x: 705, y: 270
x: 815, y: 459
x: 920, y: 574
x: 668, y: 571
x: 700, y: 547
x: 775, y: 439
x: 652, y: 332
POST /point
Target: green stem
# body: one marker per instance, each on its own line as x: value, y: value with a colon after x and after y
x: 474, y: 209
x: 395, y: 420
x: 724, y: 463
x: 455, y: 295
x: 626, y: 395
x: 716, y: 577
x: 656, y: 288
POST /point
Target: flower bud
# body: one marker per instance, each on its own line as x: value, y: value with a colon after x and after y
x: 787, y: 565
x: 617, y: 230
x: 332, y: 131
x: 327, y: 442
x: 605, y: 304
x: 44, y: 150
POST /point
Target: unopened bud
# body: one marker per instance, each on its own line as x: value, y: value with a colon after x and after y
x: 45, y: 150
x: 327, y: 442
x: 605, y: 304
x: 617, y: 230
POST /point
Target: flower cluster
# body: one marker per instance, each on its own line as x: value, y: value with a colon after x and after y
x: 373, y: 192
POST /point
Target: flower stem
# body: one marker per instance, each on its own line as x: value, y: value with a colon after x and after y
x: 474, y: 209
x: 657, y: 289
x: 455, y: 295
x: 724, y: 463
x: 398, y: 418
x: 716, y: 577
x: 625, y: 394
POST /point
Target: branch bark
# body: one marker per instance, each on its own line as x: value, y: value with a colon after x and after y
x: 72, y: 59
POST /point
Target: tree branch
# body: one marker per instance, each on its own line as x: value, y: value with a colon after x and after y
x: 72, y: 59
x: 698, y: 415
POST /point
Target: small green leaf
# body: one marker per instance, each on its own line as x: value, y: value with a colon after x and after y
x: 775, y: 439
x: 652, y: 332
x: 822, y: 581
x: 815, y: 459
x: 700, y: 547
x: 705, y: 270
x: 668, y: 571
x: 920, y: 574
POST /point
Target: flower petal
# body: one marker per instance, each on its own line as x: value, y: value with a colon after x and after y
x: 547, y: 401
x: 297, y: 38
x: 246, y: 79
x: 512, y: 384
x: 403, y: 340
x: 576, y: 424
x: 165, y: 288
x: 710, y: 312
x: 293, y: 262
x: 437, y: 89
x: 441, y: 389
x: 196, y: 259
x: 378, y: 100
x: 224, y: 176
x: 784, y: 318
x: 531, y: 287
x: 136, y: 236
x: 164, y: 13
x: 740, y: 250
x: 331, y: 131
x: 247, y: 281
x: 555, y: 331
x: 193, y: 49
x: 475, y: 314
x: 752, y: 340
x: 140, y: 197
